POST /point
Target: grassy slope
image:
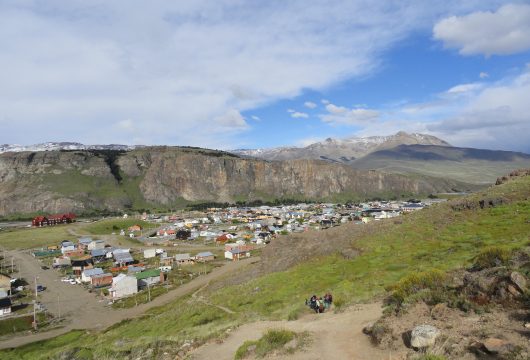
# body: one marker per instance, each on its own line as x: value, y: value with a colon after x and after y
x: 106, y: 227
x: 34, y: 237
x: 437, y: 237
x: 468, y: 171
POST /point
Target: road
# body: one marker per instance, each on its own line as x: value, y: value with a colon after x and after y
x: 83, y: 309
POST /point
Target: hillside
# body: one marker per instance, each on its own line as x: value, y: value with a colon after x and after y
x: 165, y: 178
x: 462, y: 164
x: 446, y: 236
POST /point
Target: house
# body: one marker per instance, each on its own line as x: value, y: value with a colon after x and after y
x: 166, y: 260
x: 5, y: 306
x: 81, y: 264
x: 149, y: 277
x: 149, y: 253
x: 237, y: 254
x: 83, y: 243
x: 205, y: 256
x: 5, y: 282
x: 101, y: 280
x: 99, y: 255
x: 183, y: 259
x: 122, y: 257
x: 123, y: 285
x: 61, y: 261
x: 67, y: 246
x: 96, y: 244
x: 134, y: 228
x: 87, y: 274
x: 132, y: 269
x: 53, y: 219
x: 74, y: 253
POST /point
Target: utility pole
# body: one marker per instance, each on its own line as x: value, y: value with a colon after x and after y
x: 35, y: 307
x: 58, y: 307
x: 149, y: 291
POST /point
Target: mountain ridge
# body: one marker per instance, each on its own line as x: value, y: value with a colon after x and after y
x: 82, y: 181
x: 342, y: 150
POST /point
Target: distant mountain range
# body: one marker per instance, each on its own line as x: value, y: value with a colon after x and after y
x: 50, y: 146
x: 343, y: 150
x: 405, y: 153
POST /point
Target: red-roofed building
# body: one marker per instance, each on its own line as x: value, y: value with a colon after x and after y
x: 53, y: 219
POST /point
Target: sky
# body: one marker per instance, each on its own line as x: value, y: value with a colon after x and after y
x: 231, y: 74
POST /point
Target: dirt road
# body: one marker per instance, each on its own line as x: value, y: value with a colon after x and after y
x: 334, y: 336
x: 84, y: 310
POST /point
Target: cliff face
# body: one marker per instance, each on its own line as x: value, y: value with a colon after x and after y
x: 56, y: 181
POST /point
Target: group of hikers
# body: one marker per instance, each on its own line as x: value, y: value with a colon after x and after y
x: 320, y: 304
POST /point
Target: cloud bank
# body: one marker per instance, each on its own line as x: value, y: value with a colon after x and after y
x: 183, y: 73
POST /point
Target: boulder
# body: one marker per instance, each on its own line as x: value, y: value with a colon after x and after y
x: 518, y: 280
x: 497, y: 346
x: 512, y: 290
x: 424, y: 336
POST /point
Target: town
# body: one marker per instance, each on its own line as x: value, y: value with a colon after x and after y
x: 125, y: 266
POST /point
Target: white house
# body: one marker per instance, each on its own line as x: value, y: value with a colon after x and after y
x: 123, y: 285
x: 149, y: 253
x: 236, y: 254
x: 86, y: 275
x: 67, y: 246
x: 96, y: 244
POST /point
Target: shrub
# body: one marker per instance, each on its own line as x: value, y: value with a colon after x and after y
x: 338, y: 303
x: 293, y: 314
x: 431, y: 357
x: 416, y: 282
x: 492, y: 256
x: 272, y: 340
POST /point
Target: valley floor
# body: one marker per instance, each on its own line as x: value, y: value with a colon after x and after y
x: 85, y: 310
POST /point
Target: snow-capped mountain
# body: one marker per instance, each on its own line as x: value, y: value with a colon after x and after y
x: 343, y: 150
x: 50, y: 146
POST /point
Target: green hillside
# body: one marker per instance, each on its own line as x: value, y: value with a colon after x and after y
x: 445, y: 237
x: 472, y: 166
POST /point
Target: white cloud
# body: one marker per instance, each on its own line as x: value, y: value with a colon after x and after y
x: 503, y: 32
x: 310, y: 105
x: 324, y: 101
x: 291, y: 111
x: 73, y: 70
x: 464, y: 88
x: 232, y: 119
x: 483, y: 75
x: 298, y: 115
x: 340, y: 115
x: 255, y: 118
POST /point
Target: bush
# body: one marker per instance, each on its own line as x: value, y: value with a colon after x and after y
x: 416, y: 282
x: 338, y: 303
x: 272, y: 340
x: 492, y: 256
x: 431, y: 357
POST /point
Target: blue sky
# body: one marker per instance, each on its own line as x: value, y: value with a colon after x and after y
x: 243, y: 74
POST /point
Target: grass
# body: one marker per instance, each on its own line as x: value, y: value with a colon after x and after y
x: 108, y: 226
x: 492, y: 256
x: 17, y: 324
x: 30, y: 238
x: 438, y: 237
x: 272, y: 340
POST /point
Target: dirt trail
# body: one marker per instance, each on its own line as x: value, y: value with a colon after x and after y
x: 86, y: 310
x: 334, y: 336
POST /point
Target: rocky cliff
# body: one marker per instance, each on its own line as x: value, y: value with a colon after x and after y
x: 55, y: 181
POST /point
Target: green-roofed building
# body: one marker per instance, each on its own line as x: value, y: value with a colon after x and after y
x: 148, y: 277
